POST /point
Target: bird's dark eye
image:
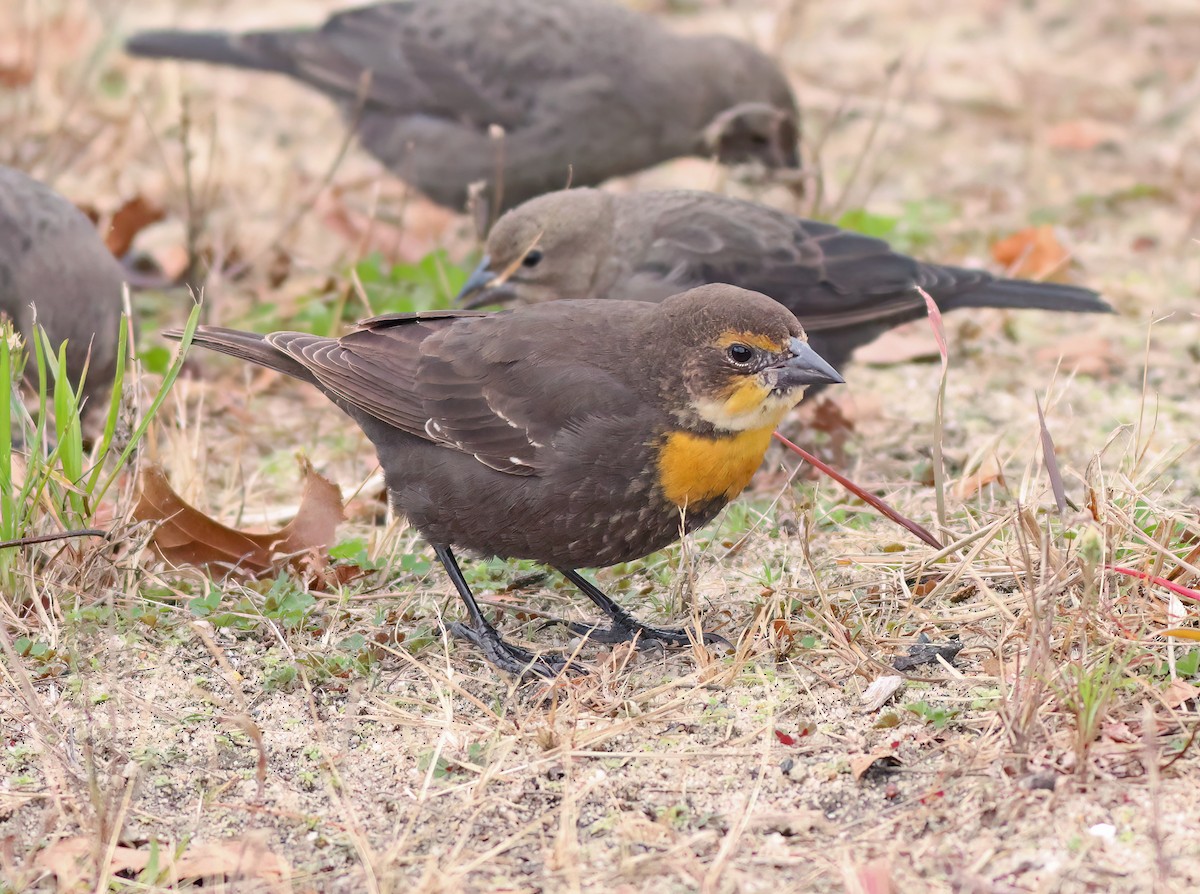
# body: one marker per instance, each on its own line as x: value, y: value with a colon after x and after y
x: 532, y: 258
x: 740, y: 354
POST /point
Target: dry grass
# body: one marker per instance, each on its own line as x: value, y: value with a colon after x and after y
x: 270, y: 750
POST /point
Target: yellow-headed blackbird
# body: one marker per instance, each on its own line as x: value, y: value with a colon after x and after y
x: 583, y: 90
x: 574, y: 433
x: 845, y: 288
x: 55, y: 267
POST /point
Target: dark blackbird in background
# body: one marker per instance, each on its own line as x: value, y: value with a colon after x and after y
x: 583, y: 89
x: 846, y: 289
x: 52, y: 258
x: 574, y: 433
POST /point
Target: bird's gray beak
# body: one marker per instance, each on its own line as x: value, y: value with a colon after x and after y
x: 806, y: 367
x: 483, y: 287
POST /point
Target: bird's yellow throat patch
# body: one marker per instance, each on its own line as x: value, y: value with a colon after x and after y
x: 694, y: 469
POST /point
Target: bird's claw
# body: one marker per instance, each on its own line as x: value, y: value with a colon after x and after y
x: 513, y: 659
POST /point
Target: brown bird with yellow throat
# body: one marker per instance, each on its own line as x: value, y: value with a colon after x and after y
x: 576, y: 433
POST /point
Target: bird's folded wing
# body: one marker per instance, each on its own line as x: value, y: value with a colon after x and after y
x: 829, y: 277
x: 404, y: 371
x: 389, y: 57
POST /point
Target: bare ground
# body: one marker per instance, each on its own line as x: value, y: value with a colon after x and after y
x: 1053, y: 756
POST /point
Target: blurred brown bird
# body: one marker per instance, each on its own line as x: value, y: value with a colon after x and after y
x: 575, y: 433
x: 845, y: 288
x: 584, y: 90
x: 54, y: 265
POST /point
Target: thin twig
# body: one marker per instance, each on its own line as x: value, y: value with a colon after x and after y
x: 49, y: 538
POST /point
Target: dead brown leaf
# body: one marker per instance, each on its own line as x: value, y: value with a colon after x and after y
x: 1178, y: 692
x: 129, y: 220
x: 1118, y: 731
x: 18, y: 73
x: 906, y: 344
x: 237, y: 858
x: 1088, y: 354
x: 873, y: 878
x: 186, y: 536
x: 989, y: 472
x: 1033, y: 253
x: 860, y: 764
x: 1082, y: 134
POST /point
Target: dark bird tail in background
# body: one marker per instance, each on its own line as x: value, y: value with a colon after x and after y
x: 217, y: 47
x: 955, y: 287
x: 247, y: 346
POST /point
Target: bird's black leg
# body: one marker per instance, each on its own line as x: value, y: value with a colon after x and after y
x: 625, y: 626
x: 505, y: 656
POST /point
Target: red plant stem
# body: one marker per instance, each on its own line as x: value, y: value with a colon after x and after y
x: 871, y: 499
x: 1175, y: 588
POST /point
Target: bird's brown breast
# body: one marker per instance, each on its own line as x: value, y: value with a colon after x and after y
x: 607, y: 502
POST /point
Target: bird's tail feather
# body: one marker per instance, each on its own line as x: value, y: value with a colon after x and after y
x: 1024, y: 293
x: 247, y: 346
x: 216, y: 47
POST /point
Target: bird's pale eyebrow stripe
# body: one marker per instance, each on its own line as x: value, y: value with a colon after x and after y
x: 757, y: 339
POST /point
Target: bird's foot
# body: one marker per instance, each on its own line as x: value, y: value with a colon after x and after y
x: 625, y: 628
x: 513, y: 659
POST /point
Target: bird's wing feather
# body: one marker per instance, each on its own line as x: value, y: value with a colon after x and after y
x: 829, y: 277
x: 453, y: 61
x: 480, y: 386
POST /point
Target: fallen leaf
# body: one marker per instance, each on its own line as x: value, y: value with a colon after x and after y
x: 989, y: 472
x: 16, y: 74
x: 1178, y: 692
x: 883, y: 760
x: 1033, y: 253
x: 873, y: 878
x: 72, y: 860
x: 830, y: 417
x: 907, y: 344
x: 1118, y: 731
x: 129, y: 220
x: 1082, y: 134
x: 186, y: 536
x: 792, y: 822
x: 1089, y: 355
x: 784, y: 632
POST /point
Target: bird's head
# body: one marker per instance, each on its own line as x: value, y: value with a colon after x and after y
x: 545, y: 249
x: 746, y: 360
x: 754, y: 133
x: 752, y: 113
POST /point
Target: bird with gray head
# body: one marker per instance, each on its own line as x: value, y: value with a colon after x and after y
x: 55, y: 267
x: 845, y: 288
x: 583, y: 90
